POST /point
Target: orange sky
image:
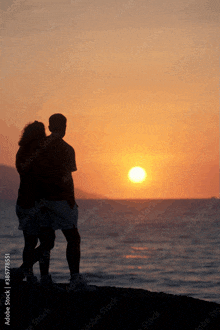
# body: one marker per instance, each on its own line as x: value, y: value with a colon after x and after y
x: 137, y: 81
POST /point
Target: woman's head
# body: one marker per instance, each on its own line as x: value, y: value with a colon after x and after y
x: 32, y: 132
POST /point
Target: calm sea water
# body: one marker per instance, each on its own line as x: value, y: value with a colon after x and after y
x: 170, y: 246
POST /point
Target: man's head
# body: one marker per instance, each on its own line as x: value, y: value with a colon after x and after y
x: 57, y: 124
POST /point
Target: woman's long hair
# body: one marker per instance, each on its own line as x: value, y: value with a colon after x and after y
x: 32, y: 132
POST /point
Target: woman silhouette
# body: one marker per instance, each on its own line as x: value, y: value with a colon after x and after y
x: 28, y: 213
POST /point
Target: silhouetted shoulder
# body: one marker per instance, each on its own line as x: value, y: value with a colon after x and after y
x: 55, y: 157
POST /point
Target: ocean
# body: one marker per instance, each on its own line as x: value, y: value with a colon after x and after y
x: 170, y: 246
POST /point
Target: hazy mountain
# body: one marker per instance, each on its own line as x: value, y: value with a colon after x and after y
x: 9, y: 184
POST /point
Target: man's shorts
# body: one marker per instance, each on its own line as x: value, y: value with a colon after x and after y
x: 57, y: 214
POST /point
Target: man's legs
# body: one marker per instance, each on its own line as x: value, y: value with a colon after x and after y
x: 73, y: 249
x: 77, y: 281
x: 47, y: 238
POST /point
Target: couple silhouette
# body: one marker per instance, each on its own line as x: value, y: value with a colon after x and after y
x: 46, y: 201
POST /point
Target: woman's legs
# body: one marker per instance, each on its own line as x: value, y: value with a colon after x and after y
x: 31, y: 254
x: 28, y: 252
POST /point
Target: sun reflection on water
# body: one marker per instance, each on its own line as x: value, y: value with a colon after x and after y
x: 131, y: 256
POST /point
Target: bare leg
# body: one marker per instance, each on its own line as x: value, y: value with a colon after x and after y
x: 28, y: 252
x: 47, y: 238
x: 73, y: 249
x: 42, y: 253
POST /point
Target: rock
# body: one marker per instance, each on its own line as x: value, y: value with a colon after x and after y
x: 34, y: 307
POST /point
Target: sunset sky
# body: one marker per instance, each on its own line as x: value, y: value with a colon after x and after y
x: 137, y: 80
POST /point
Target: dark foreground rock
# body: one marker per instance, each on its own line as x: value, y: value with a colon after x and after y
x: 33, y: 307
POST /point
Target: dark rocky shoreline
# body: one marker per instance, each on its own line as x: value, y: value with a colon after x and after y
x: 106, y: 308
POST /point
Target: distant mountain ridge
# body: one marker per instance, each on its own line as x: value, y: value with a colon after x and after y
x: 9, y: 184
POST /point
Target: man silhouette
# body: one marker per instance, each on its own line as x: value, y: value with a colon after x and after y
x: 53, y: 168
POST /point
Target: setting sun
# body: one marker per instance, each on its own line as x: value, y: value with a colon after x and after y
x: 137, y: 174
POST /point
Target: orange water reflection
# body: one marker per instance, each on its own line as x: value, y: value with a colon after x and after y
x: 141, y: 248
x: 131, y: 256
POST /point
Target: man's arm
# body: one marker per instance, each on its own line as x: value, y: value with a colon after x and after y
x: 72, y: 161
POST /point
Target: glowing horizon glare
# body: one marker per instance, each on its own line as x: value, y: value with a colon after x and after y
x: 137, y: 174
